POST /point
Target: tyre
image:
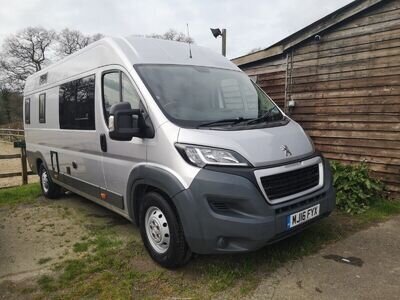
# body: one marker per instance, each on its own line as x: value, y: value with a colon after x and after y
x: 49, y: 188
x: 162, y: 233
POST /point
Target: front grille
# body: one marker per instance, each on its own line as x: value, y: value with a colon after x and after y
x: 289, y: 183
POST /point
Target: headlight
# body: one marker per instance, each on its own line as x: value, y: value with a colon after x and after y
x: 200, y: 156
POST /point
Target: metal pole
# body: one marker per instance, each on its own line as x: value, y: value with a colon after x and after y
x: 24, y: 166
x: 224, y: 42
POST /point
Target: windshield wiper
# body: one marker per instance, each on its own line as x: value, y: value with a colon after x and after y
x: 265, y: 117
x: 223, y: 121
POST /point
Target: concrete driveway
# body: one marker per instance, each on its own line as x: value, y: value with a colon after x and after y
x: 364, y: 266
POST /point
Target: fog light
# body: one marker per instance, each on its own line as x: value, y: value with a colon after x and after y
x: 222, y: 242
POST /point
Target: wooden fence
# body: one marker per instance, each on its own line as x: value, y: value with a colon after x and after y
x: 17, y: 137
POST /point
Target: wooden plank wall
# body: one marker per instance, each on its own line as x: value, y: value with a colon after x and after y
x: 347, y: 91
x: 272, y: 78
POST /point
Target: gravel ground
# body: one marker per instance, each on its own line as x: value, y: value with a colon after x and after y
x: 32, y: 234
x: 366, y: 265
x: 12, y: 165
x: 34, y: 237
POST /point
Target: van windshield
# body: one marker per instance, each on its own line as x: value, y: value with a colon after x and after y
x: 193, y: 96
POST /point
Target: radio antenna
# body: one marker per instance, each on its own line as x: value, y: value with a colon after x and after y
x: 188, y: 35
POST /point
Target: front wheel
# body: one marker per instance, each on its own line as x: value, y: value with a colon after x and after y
x: 162, y: 233
x: 49, y: 188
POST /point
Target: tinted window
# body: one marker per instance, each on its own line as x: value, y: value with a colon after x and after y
x: 27, y: 111
x: 117, y: 88
x: 76, y: 101
x: 42, y: 108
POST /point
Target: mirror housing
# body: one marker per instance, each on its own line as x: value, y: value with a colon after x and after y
x: 123, y: 122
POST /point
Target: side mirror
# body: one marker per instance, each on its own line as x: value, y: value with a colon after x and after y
x: 123, y: 123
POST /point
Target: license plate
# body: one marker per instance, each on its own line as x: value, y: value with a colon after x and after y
x: 302, y: 216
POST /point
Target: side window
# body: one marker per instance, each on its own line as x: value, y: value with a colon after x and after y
x: 27, y: 111
x: 42, y: 108
x: 84, y: 114
x: 118, y: 88
x: 111, y: 89
x: 129, y: 93
x: 76, y: 104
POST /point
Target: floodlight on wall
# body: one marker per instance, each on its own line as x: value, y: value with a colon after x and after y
x: 216, y: 32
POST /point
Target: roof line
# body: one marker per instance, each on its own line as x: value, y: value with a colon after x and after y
x: 311, y: 30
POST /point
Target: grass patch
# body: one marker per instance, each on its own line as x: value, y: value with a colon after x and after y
x: 73, y: 269
x: 380, y: 211
x: 81, y: 247
x: 21, y: 194
x: 46, y: 283
x: 114, y: 269
x: 103, y: 273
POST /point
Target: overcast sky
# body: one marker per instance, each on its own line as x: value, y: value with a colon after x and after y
x: 250, y: 24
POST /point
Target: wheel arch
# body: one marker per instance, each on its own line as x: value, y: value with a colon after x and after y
x: 146, y: 178
x: 35, y: 159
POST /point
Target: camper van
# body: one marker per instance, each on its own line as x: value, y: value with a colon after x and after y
x: 178, y: 140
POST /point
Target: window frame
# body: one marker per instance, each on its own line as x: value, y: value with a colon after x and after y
x: 42, y: 118
x: 94, y: 102
x: 103, y: 102
x: 27, y: 116
x: 120, y: 72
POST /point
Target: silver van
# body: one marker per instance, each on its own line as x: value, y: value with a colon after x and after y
x: 179, y: 141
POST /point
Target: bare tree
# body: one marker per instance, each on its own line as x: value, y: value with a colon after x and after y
x: 23, y: 54
x: 95, y: 37
x: 70, y: 41
x: 10, y: 108
x: 173, y: 35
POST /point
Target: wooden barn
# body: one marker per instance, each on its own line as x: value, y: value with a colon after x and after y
x: 343, y: 74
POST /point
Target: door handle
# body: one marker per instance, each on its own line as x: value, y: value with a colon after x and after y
x: 103, y: 142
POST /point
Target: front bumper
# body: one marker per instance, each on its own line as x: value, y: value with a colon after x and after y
x: 226, y: 213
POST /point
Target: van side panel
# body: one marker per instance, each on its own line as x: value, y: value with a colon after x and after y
x: 77, y: 151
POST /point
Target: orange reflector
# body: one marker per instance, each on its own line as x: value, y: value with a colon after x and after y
x: 103, y: 196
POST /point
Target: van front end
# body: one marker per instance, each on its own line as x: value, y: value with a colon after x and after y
x: 252, y: 174
x: 227, y: 210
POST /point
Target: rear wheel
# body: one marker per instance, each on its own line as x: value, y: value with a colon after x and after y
x: 162, y: 233
x: 49, y: 188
